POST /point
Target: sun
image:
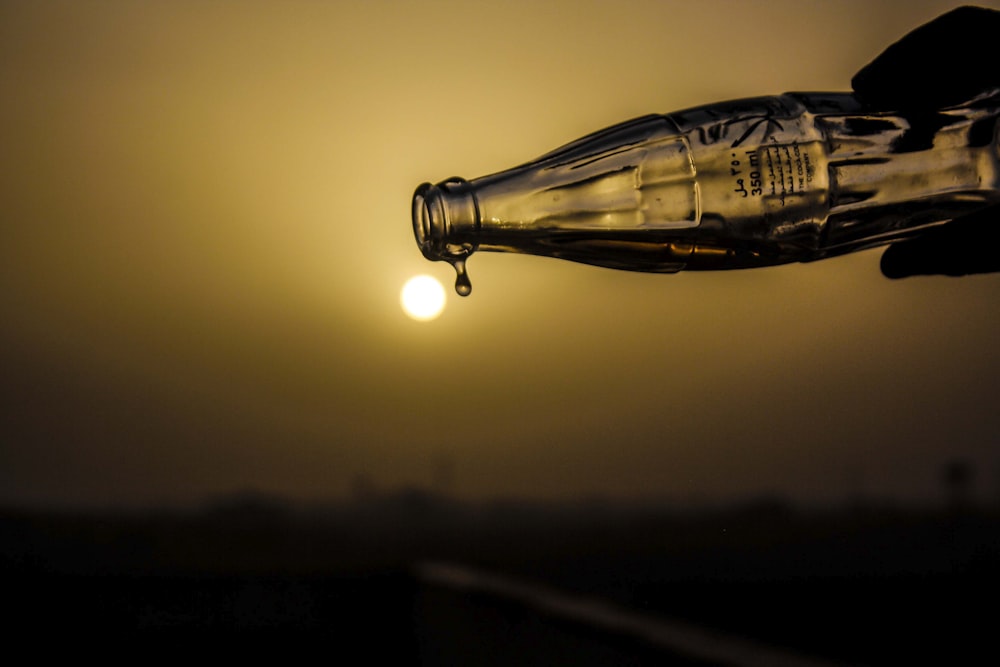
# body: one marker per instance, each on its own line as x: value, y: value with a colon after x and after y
x: 422, y: 298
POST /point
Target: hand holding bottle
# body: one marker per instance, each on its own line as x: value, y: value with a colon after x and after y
x: 939, y: 64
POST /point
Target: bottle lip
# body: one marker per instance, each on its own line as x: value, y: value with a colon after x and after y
x: 427, y: 225
x: 436, y: 209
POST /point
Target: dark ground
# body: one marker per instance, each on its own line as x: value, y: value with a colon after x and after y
x: 861, y: 586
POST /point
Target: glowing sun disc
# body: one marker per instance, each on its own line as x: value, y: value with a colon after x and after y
x: 422, y: 298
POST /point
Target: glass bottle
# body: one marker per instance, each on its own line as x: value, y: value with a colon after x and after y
x: 740, y: 184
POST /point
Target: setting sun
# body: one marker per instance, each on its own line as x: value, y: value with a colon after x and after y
x: 422, y: 298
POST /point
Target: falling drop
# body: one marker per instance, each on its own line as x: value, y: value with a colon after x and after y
x: 462, y: 283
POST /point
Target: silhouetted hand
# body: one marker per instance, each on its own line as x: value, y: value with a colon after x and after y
x: 943, y: 63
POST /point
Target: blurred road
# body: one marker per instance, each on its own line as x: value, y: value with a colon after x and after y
x: 473, y: 617
x: 456, y: 585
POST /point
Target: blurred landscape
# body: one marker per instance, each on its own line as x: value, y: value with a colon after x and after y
x: 863, y: 583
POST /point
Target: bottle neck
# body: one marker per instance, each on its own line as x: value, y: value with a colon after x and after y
x: 613, y: 186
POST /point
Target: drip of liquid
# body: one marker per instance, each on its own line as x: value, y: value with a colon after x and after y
x: 462, y: 283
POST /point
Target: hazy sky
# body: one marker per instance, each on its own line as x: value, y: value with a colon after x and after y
x: 206, y: 224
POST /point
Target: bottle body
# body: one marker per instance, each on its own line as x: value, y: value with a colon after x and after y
x: 747, y: 183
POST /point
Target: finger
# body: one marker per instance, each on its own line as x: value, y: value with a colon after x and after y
x: 942, y: 63
x: 965, y: 246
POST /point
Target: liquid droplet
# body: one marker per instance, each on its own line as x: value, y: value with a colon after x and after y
x: 462, y: 283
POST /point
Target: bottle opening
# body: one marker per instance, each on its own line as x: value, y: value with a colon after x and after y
x: 422, y: 220
x: 432, y: 227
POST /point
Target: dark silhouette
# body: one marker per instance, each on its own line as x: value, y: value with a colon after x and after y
x: 943, y: 63
x: 861, y: 585
x: 958, y: 477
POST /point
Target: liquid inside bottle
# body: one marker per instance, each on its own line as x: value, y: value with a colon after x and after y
x: 747, y: 183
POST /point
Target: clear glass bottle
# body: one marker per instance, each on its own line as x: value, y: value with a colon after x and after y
x: 747, y: 183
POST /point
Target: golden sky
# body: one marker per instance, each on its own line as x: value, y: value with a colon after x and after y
x: 206, y: 224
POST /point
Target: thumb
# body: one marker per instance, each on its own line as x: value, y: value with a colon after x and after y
x: 965, y: 246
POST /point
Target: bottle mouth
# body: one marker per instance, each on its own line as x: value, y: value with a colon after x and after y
x: 440, y: 214
x: 428, y: 219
